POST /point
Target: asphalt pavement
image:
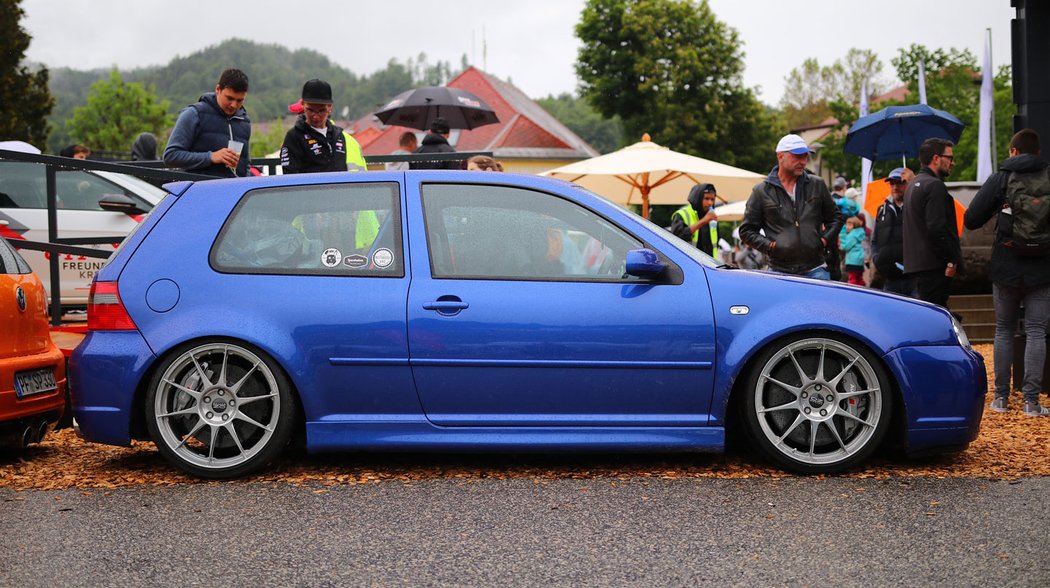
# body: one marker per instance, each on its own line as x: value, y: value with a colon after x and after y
x: 521, y: 532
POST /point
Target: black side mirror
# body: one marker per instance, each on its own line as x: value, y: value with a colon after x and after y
x: 119, y: 203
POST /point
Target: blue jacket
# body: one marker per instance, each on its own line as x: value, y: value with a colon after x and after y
x: 202, y: 128
x: 852, y: 243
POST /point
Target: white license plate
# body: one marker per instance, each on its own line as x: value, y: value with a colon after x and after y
x: 34, y: 382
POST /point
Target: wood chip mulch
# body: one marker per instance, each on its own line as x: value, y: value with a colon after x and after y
x: 1010, y: 446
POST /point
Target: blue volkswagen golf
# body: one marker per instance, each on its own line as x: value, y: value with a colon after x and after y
x: 467, y: 311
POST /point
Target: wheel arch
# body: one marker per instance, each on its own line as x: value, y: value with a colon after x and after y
x: 139, y: 429
x: 732, y: 409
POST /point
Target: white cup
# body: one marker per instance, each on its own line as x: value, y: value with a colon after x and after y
x: 236, y: 147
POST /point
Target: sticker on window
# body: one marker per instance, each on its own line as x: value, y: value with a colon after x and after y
x: 355, y: 260
x: 382, y: 258
x: 331, y: 257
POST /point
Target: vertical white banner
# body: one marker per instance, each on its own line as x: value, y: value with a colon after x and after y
x: 922, y: 81
x: 865, y: 163
x: 984, y: 130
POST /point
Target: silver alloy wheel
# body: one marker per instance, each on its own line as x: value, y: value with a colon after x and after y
x: 216, y: 406
x: 818, y: 401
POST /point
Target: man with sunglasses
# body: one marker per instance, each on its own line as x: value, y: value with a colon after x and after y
x: 932, y: 251
x: 315, y: 143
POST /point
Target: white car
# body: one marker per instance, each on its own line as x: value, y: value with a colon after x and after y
x: 23, y: 215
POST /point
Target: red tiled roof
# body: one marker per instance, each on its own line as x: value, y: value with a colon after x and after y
x: 524, y: 127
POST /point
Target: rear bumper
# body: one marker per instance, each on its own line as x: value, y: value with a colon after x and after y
x: 106, y: 370
x: 52, y: 403
x: 943, y: 388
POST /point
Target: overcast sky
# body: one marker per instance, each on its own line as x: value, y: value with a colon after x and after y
x: 531, y: 42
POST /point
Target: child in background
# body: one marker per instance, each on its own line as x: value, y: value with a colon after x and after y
x: 851, y: 241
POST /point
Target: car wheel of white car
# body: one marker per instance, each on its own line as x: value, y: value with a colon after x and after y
x: 817, y: 404
x: 218, y: 409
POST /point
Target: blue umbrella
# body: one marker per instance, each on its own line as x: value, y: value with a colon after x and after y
x: 897, y: 131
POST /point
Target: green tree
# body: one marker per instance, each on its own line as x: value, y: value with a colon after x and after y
x: 603, y: 134
x: 25, y: 102
x: 671, y: 69
x: 810, y: 88
x: 116, y: 112
x: 265, y: 143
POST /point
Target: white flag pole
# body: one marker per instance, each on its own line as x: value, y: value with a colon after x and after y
x: 985, y: 134
x: 922, y: 81
x: 865, y: 163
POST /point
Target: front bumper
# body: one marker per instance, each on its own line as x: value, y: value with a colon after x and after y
x: 943, y: 388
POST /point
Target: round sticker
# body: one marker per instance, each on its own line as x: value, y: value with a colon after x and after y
x: 331, y: 257
x: 383, y: 258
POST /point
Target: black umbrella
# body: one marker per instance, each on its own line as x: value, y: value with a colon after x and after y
x: 417, y: 108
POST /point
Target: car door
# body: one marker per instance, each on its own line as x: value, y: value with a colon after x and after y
x: 520, y: 314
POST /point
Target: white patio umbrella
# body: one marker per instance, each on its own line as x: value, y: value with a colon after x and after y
x: 648, y: 173
x: 733, y: 211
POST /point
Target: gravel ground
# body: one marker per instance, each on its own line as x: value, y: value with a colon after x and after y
x: 1010, y: 446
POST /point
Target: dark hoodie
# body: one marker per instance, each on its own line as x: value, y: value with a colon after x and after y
x: 144, y: 148
x: 680, y: 225
x: 1006, y: 267
x: 435, y: 143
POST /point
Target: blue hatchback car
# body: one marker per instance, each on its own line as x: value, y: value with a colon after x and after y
x: 468, y: 311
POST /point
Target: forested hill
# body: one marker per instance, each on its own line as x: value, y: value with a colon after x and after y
x: 276, y: 75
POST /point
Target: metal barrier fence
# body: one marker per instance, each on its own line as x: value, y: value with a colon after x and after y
x: 154, y: 172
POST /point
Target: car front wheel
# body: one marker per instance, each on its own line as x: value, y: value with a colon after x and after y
x: 218, y: 409
x: 817, y: 404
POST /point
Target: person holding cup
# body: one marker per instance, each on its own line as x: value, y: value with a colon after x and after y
x: 212, y: 136
x: 315, y: 143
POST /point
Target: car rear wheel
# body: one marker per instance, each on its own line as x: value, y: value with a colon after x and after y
x: 817, y: 404
x: 219, y: 409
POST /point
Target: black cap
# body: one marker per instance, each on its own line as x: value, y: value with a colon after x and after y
x: 439, y: 126
x: 317, y: 92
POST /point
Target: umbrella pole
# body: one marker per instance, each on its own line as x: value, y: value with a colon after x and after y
x: 645, y: 198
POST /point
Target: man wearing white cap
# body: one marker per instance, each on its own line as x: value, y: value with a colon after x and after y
x: 795, y: 211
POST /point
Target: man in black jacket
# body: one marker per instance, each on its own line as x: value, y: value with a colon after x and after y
x: 436, y: 141
x: 1016, y: 277
x: 932, y: 252
x: 887, y: 241
x: 314, y: 144
x: 796, y: 213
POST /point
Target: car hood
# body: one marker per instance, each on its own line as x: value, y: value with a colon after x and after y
x: 761, y: 302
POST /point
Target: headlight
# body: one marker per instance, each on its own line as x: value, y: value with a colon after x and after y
x: 960, y: 334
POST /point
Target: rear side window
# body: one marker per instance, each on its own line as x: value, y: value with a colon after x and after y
x: 22, y: 185
x: 10, y: 261
x: 334, y: 229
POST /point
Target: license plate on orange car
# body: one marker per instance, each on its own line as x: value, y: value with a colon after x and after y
x: 34, y: 382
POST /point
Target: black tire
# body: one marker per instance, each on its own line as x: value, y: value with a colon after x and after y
x: 817, y: 423
x: 220, y: 409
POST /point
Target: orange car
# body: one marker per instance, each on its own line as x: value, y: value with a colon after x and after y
x: 32, y: 368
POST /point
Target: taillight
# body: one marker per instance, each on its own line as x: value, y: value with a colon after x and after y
x: 105, y: 310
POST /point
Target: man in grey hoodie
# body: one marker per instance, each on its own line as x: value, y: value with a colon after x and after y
x: 1017, y: 276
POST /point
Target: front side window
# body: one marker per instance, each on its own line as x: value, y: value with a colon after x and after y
x: 333, y: 229
x: 502, y: 232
